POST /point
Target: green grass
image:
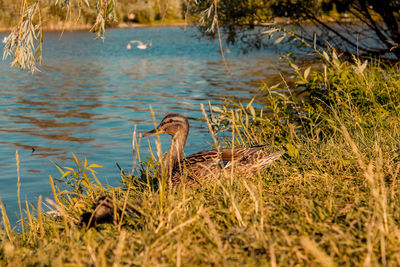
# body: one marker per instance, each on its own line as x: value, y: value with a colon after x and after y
x: 332, y: 200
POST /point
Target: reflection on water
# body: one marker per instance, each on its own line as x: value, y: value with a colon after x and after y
x: 90, y: 94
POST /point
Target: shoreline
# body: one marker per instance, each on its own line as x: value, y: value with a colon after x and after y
x: 70, y: 27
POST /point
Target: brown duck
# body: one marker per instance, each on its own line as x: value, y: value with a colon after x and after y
x: 103, y: 213
x: 208, y: 163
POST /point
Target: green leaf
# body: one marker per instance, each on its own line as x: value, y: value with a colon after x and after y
x: 94, y: 166
x: 270, y: 31
x: 75, y: 159
x: 275, y: 86
x: 294, y: 66
x: 251, y: 102
x: 58, y: 167
x: 85, y: 183
x: 280, y: 39
x: 307, y: 72
x: 292, y: 151
x: 252, y: 111
x: 363, y: 66
x: 326, y: 56
x: 65, y: 174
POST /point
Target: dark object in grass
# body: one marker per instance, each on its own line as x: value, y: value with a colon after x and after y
x: 103, y: 213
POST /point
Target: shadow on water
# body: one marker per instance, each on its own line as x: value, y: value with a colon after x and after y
x: 90, y: 95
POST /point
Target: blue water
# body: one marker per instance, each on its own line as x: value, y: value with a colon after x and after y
x: 90, y: 94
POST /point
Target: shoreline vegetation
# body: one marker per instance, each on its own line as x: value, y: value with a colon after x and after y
x: 152, y: 13
x: 74, y: 26
x: 81, y: 16
x: 333, y: 199
x: 70, y: 26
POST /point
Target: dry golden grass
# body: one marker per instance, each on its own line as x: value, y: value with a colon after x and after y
x: 332, y: 200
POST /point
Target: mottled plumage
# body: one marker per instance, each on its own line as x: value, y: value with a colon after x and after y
x: 107, y: 210
x: 103, y: 213
x: 208, y: 163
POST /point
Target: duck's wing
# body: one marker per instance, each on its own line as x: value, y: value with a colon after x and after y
x: 209, y: 163
x: 201, y: 157
x: 136, y: 42
x: 228, y: 154
x: 239, y: 153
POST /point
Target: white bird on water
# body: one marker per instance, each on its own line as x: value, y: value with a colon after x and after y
x: 5, y: 40
x: 140, y: 45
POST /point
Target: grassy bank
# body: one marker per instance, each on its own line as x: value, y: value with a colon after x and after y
x: 333, y: 199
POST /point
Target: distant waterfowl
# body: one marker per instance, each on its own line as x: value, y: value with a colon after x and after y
x: 5, y: 40
x: 208, y: 163
x: 140, y: 45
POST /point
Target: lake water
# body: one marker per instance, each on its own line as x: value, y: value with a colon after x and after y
x: 90, y: 94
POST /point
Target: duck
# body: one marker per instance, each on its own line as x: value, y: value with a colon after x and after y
x: 206, y: 164
x: 103, y: 212
x: 106, y: 210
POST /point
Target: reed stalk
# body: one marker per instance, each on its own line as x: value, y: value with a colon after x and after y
x: 19, y: 194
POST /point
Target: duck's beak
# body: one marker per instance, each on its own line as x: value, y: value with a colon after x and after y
x: 156, y: 131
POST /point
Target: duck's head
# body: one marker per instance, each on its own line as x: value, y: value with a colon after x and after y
x: 173, y: 124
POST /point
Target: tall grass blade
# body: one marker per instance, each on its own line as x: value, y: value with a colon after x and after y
x: 6, y: 222
x: 19, y: 194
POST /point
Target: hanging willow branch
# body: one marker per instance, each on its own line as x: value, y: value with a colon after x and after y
x: 105, y: 13
x: 24, y: 43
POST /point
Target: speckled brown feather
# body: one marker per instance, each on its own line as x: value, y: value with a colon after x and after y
x: 212, y: 163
